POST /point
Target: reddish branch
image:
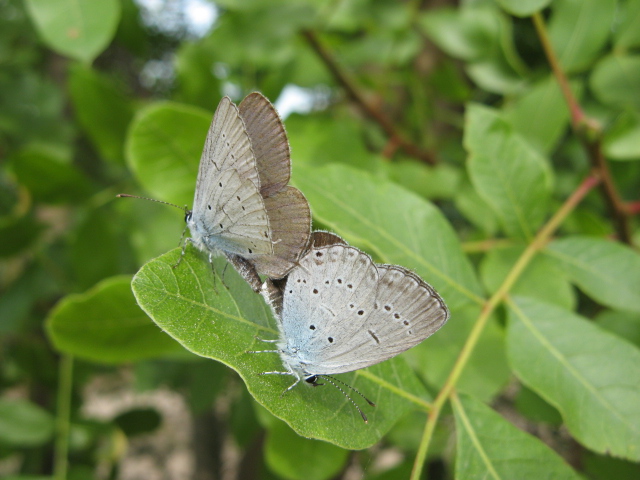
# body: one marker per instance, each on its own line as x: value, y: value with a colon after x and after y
x: 590, y: 135
x: 395, y: 137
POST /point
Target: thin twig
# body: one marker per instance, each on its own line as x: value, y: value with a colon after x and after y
x: 617, y: 208
x: 540, y: 240
x: 590, y: 134
x: 396, y: 137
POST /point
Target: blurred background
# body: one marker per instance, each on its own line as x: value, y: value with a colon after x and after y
x: 379, y: 85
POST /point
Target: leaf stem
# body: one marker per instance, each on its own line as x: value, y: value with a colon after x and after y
x: 396, y: 138
x: 486, y: 245
x: 61, y: 447
x: 540, y: 240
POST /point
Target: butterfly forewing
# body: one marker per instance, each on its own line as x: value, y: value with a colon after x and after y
x: 227, y: 147
x: 233, y: 217
x: 269, y: 142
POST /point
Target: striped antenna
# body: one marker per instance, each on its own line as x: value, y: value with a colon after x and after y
x: 125, y: 195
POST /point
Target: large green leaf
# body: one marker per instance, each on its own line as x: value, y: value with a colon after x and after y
x: 164, y: 145
x: 579, y: 30
x: 489, y: 447
x: 540, y: 114
x: 220, y: 318
x: 607, y: 271
x: 81, y: 29
x: 102, y: 109
x: 614, y: 81
x: 591, y: 376
x: 471, y: 205
x: 105, y: 325
x: 507, y: 173
x: 395, y: 225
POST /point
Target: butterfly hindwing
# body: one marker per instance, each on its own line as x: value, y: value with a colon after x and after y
x: 290, y: 222
x: 269, y: 142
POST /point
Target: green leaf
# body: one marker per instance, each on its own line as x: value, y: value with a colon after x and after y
x: 48, y: 178
x: 622, y: 140
x: 430, y: 182
x: 507, y: 173
x: 532, y: 406
x: 589, y: 375
x: 102, y: 110
x: 541, y: 115
x: 80, y: 29
x: 614, y: 81
x: 164, y: 146
x: 486, y: 372
x: 604, y: 467
x: 24, y: 424
x: 482, y: 35
x: 320, y: 139
x: 523, y: 8
x: 196, y: 81
x: 607, y: 271
x: 313, y: 460
x: 18, y: 234
x: 220, y: 318
x: 627, y: 33
x: 470, y: 33
x: 475, y: 209
x: 492, y: 448
x: 395, y: 225
x: 105, y: 325
x: 624, y: 324
x: 97, y: 230
x: 541, y: 279
x: 579, y: 30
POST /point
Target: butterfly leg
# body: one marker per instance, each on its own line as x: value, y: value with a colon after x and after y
x: 213, y: 270
x: 184, y: 249
x: 275, y: 340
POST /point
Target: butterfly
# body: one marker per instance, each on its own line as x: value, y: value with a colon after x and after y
x: 338, y: 311
x: 243, y: 207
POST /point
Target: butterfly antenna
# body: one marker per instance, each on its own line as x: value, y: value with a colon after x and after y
x: 125, y: 195
x: 352, y: 388
x: 329, y: 379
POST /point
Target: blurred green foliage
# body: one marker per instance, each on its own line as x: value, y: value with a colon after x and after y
x: 438, y: 138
